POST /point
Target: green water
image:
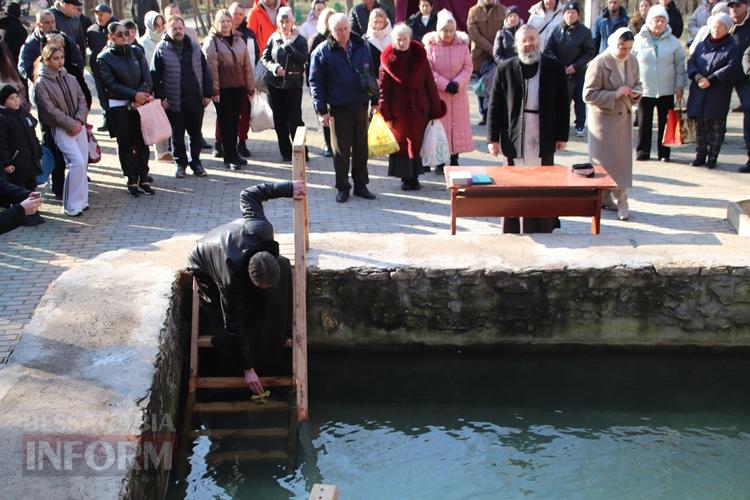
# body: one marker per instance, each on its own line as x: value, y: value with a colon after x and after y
x: 497, y: 426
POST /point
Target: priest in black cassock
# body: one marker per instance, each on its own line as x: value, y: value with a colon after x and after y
x: 529, y: 116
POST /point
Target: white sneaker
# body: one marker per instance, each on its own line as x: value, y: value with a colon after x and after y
x: 622, y: 206
x: 608, y: 201
x: 580, y: 132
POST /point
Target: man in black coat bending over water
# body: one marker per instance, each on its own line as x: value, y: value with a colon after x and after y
x: 245, y: 285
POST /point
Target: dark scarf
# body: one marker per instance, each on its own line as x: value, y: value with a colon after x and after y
x: 529, y: 70
x: 717, y: 41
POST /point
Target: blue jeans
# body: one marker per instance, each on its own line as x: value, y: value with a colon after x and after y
x: 575, y: 93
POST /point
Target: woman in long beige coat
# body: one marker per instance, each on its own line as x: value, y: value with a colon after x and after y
x: 611, y: 88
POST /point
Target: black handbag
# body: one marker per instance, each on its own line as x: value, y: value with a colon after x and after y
x: 367, y: 80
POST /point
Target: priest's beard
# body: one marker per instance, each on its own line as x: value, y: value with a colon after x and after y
x: 531, y: 57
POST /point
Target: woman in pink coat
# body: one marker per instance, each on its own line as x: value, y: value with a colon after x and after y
x: 450, y: 59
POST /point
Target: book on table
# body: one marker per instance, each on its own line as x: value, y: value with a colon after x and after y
x: 481, y: 179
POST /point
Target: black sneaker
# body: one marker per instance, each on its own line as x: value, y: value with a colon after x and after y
x: 744, y: 169
x: 440, y: 170
x: 103, y: 128
x: 327, y: 152
x: 218, y: 151
x: 699, y: 161
x: 711, y: 163
x: 642, y: 157
x: 198, y: 170
x: 406, y: 186
x: 363, y: 192
x: 233, y: 166
x: 240, y: 161
x: 342, y: 196
x: 133, y: 190
x: 146, y: 188
x: 180, y: 172
x: 415, y: 185
x: 242, y: 149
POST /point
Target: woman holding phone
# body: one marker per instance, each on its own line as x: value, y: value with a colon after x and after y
x: 611, y: 88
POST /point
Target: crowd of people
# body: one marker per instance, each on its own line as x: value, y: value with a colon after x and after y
x: 614, y: 75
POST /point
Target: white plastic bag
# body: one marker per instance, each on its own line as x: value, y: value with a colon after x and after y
x: 435, y: 145
x: 261, y: 116
x: 155, y: 126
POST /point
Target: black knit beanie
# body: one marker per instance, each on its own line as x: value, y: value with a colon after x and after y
x: 5, y: 92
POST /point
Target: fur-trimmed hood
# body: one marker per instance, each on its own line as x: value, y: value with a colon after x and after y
x: 432, y: 38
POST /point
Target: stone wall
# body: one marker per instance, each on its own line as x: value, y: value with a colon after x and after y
x: 164, y: 402
x: 615, y: 306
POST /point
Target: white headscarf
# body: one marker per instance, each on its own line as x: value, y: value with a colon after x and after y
x: 444, y: 17
x: 380, y: 39
x: 614, y: 39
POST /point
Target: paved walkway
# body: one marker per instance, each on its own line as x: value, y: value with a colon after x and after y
x: 671, y: 203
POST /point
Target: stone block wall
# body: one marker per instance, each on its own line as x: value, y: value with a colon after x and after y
x: 615, y: 306
x: 167, y: 395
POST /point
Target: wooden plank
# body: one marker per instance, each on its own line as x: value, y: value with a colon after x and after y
x: 267, y: 432
x: 526, y: 207
x: 215, y: 458
x: 299, y: 322
x: 300, y: 139
x: 324, y: 492
x: 204, y: 341
x: 240, y: 406
x: 194, y: 316
x: 239, y: 382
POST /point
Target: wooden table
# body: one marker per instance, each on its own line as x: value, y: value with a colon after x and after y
x: 530, y: 192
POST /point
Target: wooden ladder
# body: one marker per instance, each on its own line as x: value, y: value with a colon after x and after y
x: 297, y: 382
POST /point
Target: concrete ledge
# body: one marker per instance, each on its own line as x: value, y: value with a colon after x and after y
x: 101, y: 356
x: 541, y: 290
x: 738, y: 215
x: 98, y: 359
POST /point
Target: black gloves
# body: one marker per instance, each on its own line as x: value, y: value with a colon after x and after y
x: 452, y: 88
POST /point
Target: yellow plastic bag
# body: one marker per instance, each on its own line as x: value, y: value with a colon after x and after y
x: 380, y: 139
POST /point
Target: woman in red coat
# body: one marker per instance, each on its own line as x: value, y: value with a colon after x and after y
x: 408, y: 101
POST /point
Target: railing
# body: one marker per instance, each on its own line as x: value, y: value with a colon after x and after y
x: 301, y: 245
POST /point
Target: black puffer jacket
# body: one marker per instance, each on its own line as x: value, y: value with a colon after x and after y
x: 10, y: 197
x: 124, y: 71
x: 504, y: 46
x: 19, y: 145
x: 96, y: 40
x: 291, y: 56
x: 419, y: 30
x: 571, y: 45
x: 359, y: 16
x: 222, y: 255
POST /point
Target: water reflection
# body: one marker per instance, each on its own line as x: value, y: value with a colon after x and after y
x: 528, y: 426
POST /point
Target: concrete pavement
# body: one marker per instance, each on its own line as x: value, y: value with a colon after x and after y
x: 670, y: 204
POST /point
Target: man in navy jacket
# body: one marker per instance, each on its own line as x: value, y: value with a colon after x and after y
x: 339, y: 68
